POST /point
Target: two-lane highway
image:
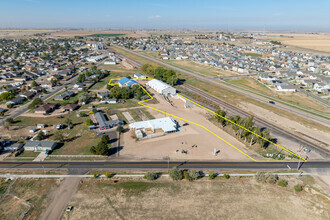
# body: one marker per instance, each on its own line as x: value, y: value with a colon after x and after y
x: 143, y: 165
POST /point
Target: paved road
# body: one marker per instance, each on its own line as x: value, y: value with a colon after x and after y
x: 21, y: 109
x: 159, y: 165
x: 244, y: 92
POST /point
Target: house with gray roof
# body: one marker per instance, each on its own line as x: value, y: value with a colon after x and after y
x: 40, y: 145
x: 106, y: 124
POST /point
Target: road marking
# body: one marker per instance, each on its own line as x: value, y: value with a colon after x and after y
x: 151, y: 98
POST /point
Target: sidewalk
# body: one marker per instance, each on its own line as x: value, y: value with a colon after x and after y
x: 41, y: 157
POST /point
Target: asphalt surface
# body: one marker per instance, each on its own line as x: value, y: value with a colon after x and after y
x: 244, y: 92
x: 160, y: 165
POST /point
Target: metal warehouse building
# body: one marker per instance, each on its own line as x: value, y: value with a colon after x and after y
x: 161, y: 87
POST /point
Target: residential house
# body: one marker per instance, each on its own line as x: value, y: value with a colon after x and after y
x: 16, y: 101
x: 70, y: 107
x: 46, y: 108
x: 104, y: 123
x: 40, y: 145
x: 65, y: 95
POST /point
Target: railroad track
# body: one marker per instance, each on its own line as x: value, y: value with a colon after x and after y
x: 232, y: 110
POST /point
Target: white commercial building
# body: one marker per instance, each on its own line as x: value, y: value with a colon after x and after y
x: 161, y: 87
x: 164, y: 125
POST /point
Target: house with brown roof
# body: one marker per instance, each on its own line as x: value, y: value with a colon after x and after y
x: 46, y: 108
x: 70, y: 107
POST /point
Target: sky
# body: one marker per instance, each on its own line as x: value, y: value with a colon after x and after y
x: 268, y: 15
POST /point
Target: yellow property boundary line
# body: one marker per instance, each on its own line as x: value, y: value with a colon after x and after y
x: 151, y: 98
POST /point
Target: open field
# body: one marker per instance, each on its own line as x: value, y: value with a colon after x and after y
x: 205, y: 69
x: 312, y: 42
x: 27, y: 195
x: 297, y: 98
x: 235, y: 198
x: 22, y: 33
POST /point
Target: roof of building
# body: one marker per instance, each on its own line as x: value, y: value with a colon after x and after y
x: 166, y: 124
x: 158, y: 84
x: 123, y: 80
x: 139, y: 75
x: 103, y: 122
x: 45, y: 144
x: 131, y: 82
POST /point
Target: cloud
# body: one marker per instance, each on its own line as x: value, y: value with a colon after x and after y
x: 154, y: 17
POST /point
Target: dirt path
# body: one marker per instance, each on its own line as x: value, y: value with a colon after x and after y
x: 61, y: 198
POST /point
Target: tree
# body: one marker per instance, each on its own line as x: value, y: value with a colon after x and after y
x: 298, y: 188
x: 271, y: 178
x: 89, y: 122
x: 10, y: 121
x: 35, y: 103
x: 33, y: 84
x: 58, y: 136
x: 81, y: 78
x: 282, y: 183
x: 212, y: 175
x: 260, y: 177
x: 40, y: 136
x: 84, y: 97
x: 192, y: 175
x: 151, y: 176
x: 226, y: 176
x: 6, y: 96
x: 176, y: 174
x: 82, y: 114
x: 6, y: 126
x: 68, y: 122
x: 107, y: 175
x: 105, y: 139
x: 120, y: 129
x: 220, y: 117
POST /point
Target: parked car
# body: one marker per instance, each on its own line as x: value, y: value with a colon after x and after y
x: 272, y: 102
x: 69, y: 209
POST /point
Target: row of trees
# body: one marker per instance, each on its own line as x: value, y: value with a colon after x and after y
x: 166, y: 75
x: 244, y: 128
x: 125, y: 93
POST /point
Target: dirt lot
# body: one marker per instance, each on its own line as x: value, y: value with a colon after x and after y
x: 236, y: 198
x: 158, y: 148
x: 27, y: 195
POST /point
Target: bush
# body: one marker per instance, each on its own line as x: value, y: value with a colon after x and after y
x: 226, y: 176
x: 82, y: 114
x: 192, y: 175
x: 10, y: 106
x: 271, y: 178
x: 150, y: 176
x: 107, y: 175
x: 176, y: 174
x: 260, y: 177
x: 211, y: 175
x: 96, y: 175
x: 298, y: 188
x: 282, y: 183
x: 89, y: 122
